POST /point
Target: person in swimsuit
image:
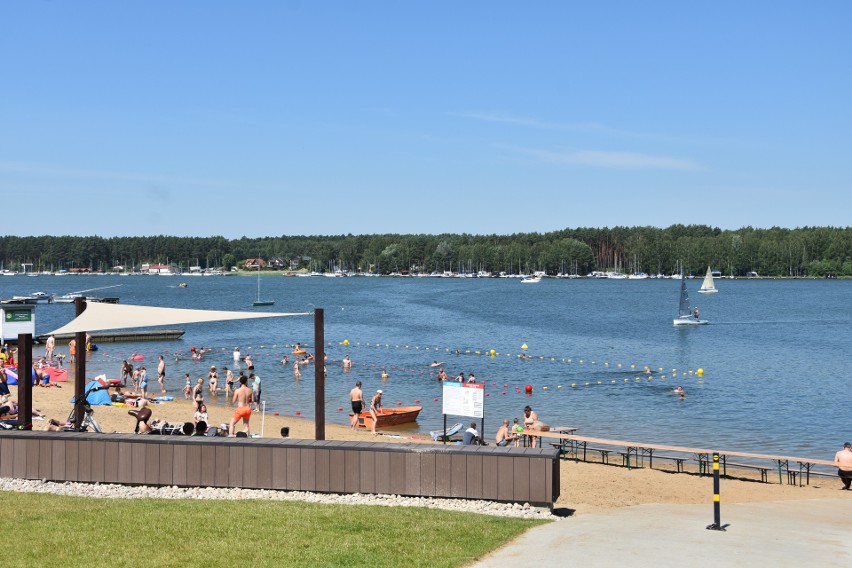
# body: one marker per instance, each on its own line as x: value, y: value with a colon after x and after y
x: 198, y: 393
x: 187, y: 388
x: 347, y: 362
x: 142, y: 416
x: 236, y: 357
x: 249, y: 364
x: 126, y: 372
x: 161, y: 374
x: 72, y: 349
x: 504, y: 436
x: 356, y: 397
x: 375, y: 408
x: 242, y: 398
x: 843, y: 461
x: 213, y: 378
x: 143, y: 381
x: 49, y: 347
x: 229, y: 382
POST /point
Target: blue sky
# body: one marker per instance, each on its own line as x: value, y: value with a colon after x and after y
x: 199, y: 118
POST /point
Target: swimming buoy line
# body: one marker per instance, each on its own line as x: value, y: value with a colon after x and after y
x: 576, y: 384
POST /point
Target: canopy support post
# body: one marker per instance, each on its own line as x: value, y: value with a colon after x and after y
x: 79, y: 367
x: 319, y: 374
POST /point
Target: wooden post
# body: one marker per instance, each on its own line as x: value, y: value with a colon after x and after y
x: 25, y: 382
x: 79, y: 366
x: 319, y: 374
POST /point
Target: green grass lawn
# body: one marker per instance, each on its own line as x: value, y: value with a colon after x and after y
x: 50, y: 530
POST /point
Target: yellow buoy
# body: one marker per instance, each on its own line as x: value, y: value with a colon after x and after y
x: 573, y: 385
x: 345, y: 342
x: 700, y: 372
x: 559, y: 386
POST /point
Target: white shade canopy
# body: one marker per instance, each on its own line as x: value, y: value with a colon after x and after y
x: 101, y: 316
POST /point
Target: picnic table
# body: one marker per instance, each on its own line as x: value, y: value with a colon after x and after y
x: 560, y: 433
x: 634, y: 452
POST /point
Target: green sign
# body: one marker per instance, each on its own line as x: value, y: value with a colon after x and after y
x: 18, y: 316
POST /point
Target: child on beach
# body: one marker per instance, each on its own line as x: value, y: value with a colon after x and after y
x: 187, y: 388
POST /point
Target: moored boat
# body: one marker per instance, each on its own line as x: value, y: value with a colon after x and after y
x: 390, y: 416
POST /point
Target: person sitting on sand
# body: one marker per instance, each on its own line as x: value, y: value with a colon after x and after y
x: 142, y: 415
x: 471, y: 436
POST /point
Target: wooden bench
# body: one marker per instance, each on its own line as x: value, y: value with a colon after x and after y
x: 677, y: 459
x: 764, y: 470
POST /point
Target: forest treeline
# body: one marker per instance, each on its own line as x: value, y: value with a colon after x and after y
x: 807, y: 251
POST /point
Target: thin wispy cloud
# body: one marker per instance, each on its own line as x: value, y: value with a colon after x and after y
x: 611, y: 160
x: 529, y: 122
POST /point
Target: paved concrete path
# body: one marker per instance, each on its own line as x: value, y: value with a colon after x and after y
x: 779, y: 533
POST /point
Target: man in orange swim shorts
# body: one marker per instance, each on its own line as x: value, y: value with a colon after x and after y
x: 242, y: 399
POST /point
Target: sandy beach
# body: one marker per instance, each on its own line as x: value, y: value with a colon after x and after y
x: 586, y: 487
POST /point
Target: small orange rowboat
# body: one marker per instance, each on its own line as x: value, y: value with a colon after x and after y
x: 390, y: 416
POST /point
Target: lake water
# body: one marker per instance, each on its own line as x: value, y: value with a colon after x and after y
x: 775, y: 355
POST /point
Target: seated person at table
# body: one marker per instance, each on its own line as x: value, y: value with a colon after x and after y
x: 504, y: 435
x: 471, y: 436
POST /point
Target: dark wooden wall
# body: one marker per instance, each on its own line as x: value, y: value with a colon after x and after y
x: 515, y: 475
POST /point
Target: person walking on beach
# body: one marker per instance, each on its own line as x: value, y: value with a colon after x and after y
x: 187, y: 388
x: 843, y: 461
x: 242, y: 398
x: 356, y: 397
x: 161, y: 374
x: 376, y: 408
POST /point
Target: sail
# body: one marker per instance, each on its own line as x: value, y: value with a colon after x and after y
x: 708, y: 281
x: 683, y: 309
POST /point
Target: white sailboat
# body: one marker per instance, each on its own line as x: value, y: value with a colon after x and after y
x: 708, y: 287
x: 685, y: 316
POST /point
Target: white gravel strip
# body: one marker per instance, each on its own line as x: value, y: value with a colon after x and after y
x: 110, y: 491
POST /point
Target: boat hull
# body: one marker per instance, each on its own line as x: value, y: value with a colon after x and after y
x: 713, y: 291
x: 390, y: 417
x: 689, y: 320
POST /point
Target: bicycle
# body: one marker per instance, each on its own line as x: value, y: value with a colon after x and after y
x: 88, y: 415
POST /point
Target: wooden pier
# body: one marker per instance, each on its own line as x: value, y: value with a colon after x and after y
x: 122, y: 336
